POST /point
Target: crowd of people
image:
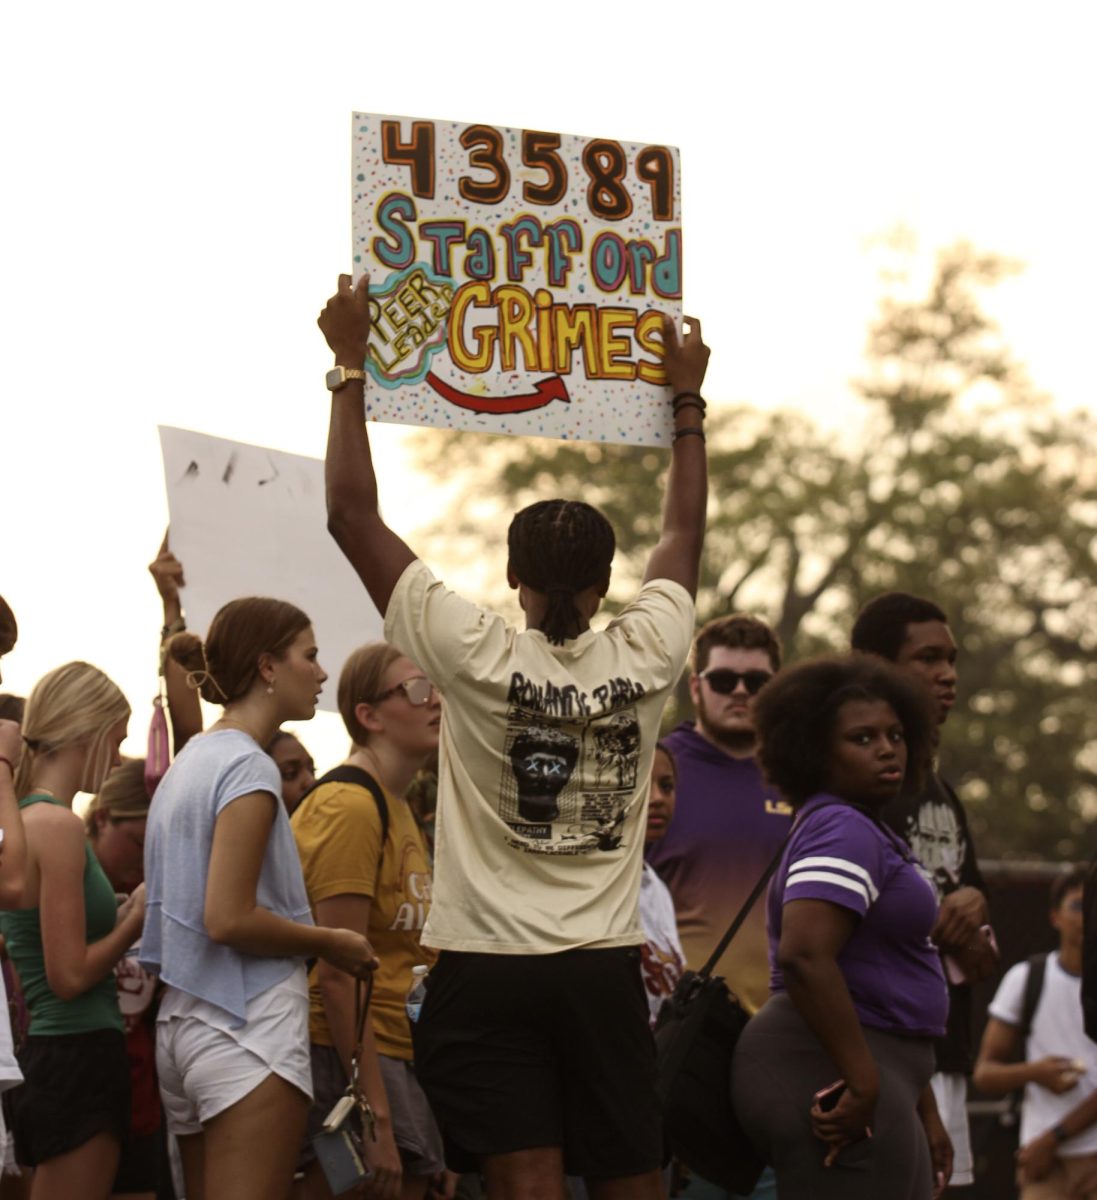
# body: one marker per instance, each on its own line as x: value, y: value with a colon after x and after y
x: 234, y: 978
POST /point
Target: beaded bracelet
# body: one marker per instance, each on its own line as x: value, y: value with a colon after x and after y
x: 690, y: 430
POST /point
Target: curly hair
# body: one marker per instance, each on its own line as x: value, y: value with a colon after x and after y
x: 795, y: 714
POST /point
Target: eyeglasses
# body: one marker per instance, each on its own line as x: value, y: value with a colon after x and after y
x: 724, y: 680
x: 418, y: 690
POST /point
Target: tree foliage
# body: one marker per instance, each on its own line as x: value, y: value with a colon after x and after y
x: 958, y: 483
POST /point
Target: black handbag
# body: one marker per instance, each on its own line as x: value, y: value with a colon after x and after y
x: 695, y: 1037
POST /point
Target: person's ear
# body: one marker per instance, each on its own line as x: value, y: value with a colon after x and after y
x: 512, y: 579
x: 266, y: 668
x: 603, y: 587
x: 695, y: 689
x: 366, y: 716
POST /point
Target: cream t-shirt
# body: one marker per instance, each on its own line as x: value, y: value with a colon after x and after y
x: 544, y: 765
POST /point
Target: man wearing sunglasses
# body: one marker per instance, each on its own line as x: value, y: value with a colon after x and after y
x: 727, y: 824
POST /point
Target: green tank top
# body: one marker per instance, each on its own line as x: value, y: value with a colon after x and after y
x: 97, y: 1008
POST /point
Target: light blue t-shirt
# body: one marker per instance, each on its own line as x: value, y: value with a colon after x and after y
x: 212, y: 770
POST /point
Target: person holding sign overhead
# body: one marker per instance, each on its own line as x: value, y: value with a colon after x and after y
x: 533, y: 1043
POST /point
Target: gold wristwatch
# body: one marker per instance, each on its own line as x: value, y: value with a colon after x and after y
x: 339, y: 377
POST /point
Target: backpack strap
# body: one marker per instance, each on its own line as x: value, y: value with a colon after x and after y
x: 345, y: 773
x: 1034, y: 985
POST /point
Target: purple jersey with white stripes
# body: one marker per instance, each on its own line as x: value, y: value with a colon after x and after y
x: 892, y: 969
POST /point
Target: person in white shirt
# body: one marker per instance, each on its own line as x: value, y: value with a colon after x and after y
x: 533, y: 1044
x: 1058, y: 1067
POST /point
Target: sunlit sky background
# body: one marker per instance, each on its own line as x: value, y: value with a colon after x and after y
x: 176, y: 206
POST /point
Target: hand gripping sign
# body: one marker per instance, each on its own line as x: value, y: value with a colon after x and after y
x: 518, y: 279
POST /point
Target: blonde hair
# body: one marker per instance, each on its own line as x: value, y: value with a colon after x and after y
x: 73, y: 703
x: 123, y: 796
x: 360, y: 681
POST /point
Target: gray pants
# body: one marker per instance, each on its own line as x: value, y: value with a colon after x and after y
x: 780, y: 1065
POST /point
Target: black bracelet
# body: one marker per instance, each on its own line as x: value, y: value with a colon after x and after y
x: 680, y: 404
x: 690, y: 430
x: 691, y: 395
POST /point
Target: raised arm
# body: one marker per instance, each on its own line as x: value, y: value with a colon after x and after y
x: 183, y: 706
x: 677, y: 555
x: 354, y: 519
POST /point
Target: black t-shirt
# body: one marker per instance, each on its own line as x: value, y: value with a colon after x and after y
x: 934, y: 825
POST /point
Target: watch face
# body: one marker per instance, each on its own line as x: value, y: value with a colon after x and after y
x: 335, y: 378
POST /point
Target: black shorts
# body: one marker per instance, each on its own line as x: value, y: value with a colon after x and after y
x: 516, y: 1052
x: 76, y: 1085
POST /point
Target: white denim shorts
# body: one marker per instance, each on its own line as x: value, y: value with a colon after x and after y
x: 205, y: 1066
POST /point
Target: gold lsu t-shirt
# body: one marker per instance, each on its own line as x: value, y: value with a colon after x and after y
x: 544, y: 765
x: 338, y: 832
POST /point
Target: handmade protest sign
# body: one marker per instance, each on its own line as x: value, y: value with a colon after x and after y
x: 518, y: 278
x: 248, y: 521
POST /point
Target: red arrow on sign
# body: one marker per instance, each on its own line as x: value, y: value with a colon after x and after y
x: 544, y: 393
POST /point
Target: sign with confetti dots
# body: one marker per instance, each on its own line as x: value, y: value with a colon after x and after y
x: 518, y: 278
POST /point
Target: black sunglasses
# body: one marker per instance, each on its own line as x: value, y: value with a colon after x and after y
x: 724, y: 680
x: 418, y: 690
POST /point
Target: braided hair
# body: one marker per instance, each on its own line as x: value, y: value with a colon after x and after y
x: 560, y: 547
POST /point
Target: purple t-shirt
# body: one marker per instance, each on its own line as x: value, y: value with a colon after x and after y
x: 891, y: 968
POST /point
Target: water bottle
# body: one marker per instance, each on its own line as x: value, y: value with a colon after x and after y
x: 418, y: 992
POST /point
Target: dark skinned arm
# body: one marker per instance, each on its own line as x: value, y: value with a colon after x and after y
x: 377, y: 554
x: 813, y: 933
x: 958, y: 933
x: 677, y: 555
x: 1038, y: 1157
x: 940, y: 1144
x: 996, y: 1074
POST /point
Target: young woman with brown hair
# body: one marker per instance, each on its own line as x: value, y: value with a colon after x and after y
x: 367, y: 868
x: 228, y: 925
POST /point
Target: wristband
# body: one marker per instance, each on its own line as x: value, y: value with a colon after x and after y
x: 689, y: 431
x: 179, y: 625
x: 692, y: 395
x: 10, y: 765
x: 680, y: 404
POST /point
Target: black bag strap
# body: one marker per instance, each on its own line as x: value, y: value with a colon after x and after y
x: 901, y: 847
x: 1034, y: 985
x: 345, y: 773
x: 742, y: 914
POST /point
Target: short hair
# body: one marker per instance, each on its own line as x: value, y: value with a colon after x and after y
x: 737, y: 632
x: 795, y: 713
x: 123, y: 796
x: 12, y: 707
x: 226, y: 667
x: 9, y: 628
x: 72, y: 704
x: 1062, y: 884
x: 360, y: 682
x: 560, y: 547
x: 881, y: 626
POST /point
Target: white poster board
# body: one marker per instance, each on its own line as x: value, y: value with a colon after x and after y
x: 519, y: 278
x: 248, y: 521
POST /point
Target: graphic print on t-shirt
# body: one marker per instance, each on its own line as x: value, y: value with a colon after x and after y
x: 933, y: 832
x: 570, y: 765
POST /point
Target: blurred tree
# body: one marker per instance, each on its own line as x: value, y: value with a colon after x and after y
x: 960, y: 484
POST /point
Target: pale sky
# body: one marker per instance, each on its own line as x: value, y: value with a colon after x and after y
x: 177, y: 207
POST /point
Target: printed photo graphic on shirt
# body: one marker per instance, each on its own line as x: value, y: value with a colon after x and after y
x: 933, y: 832
x: 518, y: 278
x: 568, y: 785
x: 661, y: 967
